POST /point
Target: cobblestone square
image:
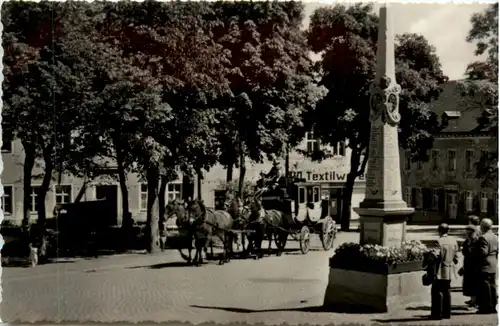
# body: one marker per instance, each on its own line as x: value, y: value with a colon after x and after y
x: 139, y: 287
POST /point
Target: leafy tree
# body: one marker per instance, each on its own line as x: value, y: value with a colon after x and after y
x: 481, y: 85
x: 271, y: 79
x: 170, y: 121
x: 42, y: 89
x: 346, y: 37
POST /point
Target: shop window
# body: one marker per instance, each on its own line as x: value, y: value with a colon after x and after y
x: 316, y: 194
x: 302, y: 195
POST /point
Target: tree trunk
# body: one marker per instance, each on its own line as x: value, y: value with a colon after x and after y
x: 153, y: 243
x: 43, y: 190
x: 229, y: 173
x: 199, y: 177
x: 287, y: 162
x: 161, y: 202
x: 122, y: 178
x: 242, y: 175
x: 29, y: 163
x: 356, y: 171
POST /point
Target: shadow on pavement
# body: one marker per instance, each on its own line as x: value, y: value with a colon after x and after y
x: 297, y: 251
x: 163, y: 265
x: 244, y: 310
x: 419, y: 318
x: 338, y: 309
x: 428, y: 308
x: 403, y: 320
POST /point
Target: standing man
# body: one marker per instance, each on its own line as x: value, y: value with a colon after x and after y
x: 474, y: 221
x: 487, y: 260
x: 440, y: 290
x: 470, y: 277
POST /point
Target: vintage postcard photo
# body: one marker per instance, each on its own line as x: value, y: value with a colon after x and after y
x: 256, y: 162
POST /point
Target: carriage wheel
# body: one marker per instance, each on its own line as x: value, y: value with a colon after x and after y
x: 328, y: 233
x: 305, y: 240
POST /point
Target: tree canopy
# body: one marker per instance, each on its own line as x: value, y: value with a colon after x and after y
x: 346, y: 38
x: 481, y: 85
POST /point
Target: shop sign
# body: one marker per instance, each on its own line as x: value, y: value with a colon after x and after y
x: 331, y: 176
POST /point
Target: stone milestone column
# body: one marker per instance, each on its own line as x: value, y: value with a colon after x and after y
x: 383, y: 212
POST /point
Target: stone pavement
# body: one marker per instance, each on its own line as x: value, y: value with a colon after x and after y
x: 137, y: 287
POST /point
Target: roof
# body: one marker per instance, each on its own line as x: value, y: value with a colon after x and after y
x: 461, y: 112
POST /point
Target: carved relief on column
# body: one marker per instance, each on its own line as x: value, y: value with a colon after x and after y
x: 384, y: 101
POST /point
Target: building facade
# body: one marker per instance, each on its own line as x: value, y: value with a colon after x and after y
x: 446, y: 188
x: 325, y: 179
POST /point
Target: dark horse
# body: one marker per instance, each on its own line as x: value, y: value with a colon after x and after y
x: 274, y: 224
x: 177, y: 208
x: 206, y: 224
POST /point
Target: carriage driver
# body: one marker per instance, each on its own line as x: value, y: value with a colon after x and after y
x: 274, y: 177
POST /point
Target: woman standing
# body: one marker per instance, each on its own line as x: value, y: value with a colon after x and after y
x: 468, y: 271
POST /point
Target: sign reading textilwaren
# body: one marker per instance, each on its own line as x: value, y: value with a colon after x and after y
x: 330, y: 176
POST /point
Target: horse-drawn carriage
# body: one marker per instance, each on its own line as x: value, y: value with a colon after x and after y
x: 293, y: 208
x: 304, y: 213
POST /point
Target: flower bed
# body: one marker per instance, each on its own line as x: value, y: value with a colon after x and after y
x: 378, y: 259
x: 376, y: 278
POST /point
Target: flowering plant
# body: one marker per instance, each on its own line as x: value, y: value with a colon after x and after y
x: 353, y: 253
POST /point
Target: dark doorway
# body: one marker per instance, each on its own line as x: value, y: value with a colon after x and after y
x: 110, y: 194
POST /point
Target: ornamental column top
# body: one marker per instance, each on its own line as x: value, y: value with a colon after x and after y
x: 385, y: 46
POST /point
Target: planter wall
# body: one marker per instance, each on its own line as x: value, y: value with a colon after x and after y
x: 375, y: 292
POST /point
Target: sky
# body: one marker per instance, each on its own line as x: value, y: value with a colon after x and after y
x: 445, y: 26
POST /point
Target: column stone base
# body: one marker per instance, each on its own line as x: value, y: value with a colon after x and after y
x: 383, y: 226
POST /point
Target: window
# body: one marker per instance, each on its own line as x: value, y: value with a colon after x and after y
x: 484, y: 202
x: 435, y: 199
x: 143, y: 197
x: 420, y: 165
x: 6, y: 143
x: 312, y: 143
x: 302, y: 195
x: 7, y: 200
x: 419, y: 198
x: 34, y: 197
x: 408, y: 195
x: 469, y: 160
x: 469, y: 199
x: 6, y: 146
x: 435, y: 159
x: 63, y: 194
x: 484, y: 155
x: 407, y: 161
x: 316, y: 194
x: 174, y: 191
x: 452, y: 160
x: 339, y: 149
